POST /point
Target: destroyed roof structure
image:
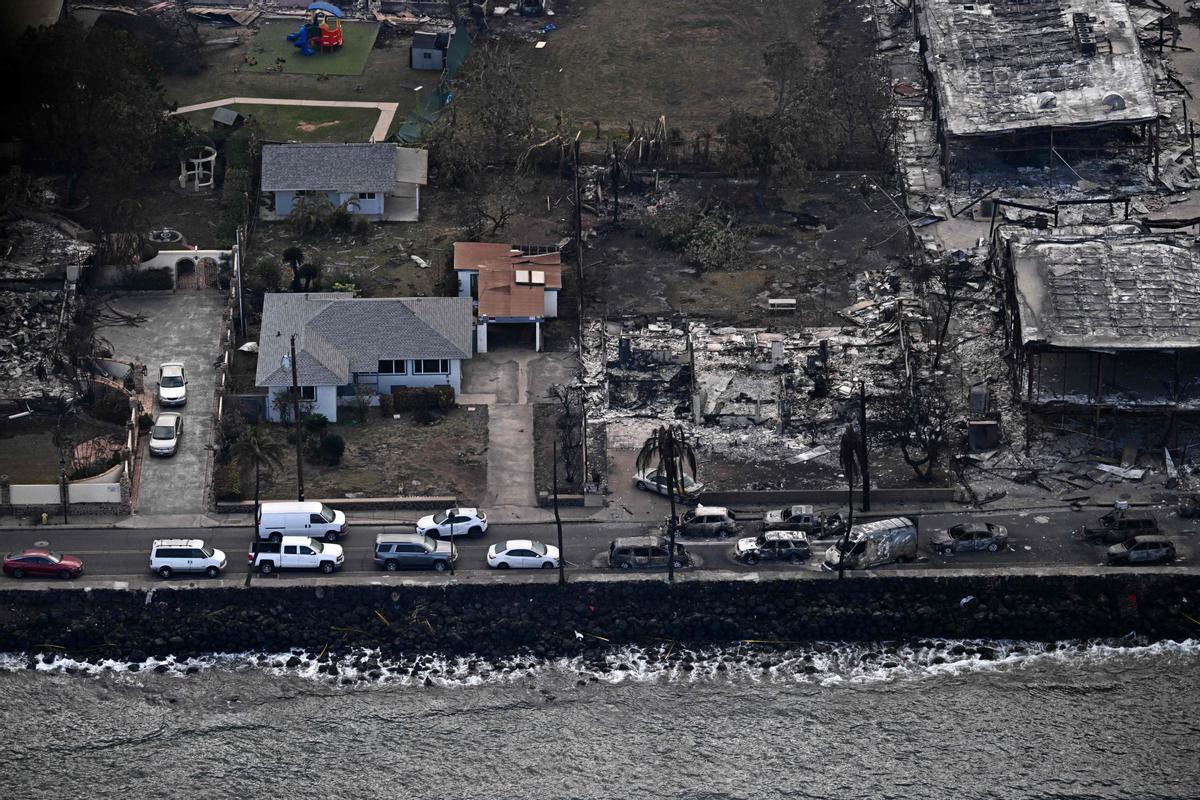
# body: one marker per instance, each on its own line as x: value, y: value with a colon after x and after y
x: 1015, y: 65
x: 1104, y: 316
x: 35, y: 252
x: 31, y: 328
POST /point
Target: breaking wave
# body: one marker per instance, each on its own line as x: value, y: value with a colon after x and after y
x: 822, y: 664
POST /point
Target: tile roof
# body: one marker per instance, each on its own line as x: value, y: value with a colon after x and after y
x: 336, y: 167
x: 338, y: 334
x: 500, y: 295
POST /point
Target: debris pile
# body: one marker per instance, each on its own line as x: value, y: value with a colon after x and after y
x: 29, y: 331
x: 38, y: 251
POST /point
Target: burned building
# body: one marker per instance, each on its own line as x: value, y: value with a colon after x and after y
x: 1103, y: 318
x: 1037, y: 82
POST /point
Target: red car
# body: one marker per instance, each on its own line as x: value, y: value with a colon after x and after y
x: 40, y: 561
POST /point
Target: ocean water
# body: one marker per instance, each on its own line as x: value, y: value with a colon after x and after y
x: 948, y: 720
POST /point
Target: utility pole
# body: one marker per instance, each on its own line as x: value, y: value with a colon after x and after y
x: 616, y: 175
x: 578, y: 240
x: 562, y: 560
x: 296, y: 422
x: 862, y: 457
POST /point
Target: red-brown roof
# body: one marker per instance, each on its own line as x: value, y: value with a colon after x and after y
x: 500, y: 295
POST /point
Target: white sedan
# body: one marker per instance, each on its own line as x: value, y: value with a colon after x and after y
x: 454, y: 522
x: 522, y: 554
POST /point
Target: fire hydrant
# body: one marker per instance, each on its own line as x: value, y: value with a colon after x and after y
x: 45, y: 518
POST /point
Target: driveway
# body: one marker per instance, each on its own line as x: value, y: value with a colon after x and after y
x: 180, y: 326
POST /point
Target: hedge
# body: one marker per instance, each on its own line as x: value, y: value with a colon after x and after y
x: 423, y: 398
x: 150, y: 279
x: 227, y: 483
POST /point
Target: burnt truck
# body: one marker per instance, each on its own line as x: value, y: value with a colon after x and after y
x: 1119, y: 525
x: 873, y: 544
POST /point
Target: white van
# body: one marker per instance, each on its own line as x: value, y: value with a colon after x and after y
x: 168, y: 556
x: 311, y: 519
x: 874, y: 543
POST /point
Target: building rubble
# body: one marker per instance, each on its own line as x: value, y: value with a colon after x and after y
x: 31, y: 250
x: 31, y: 326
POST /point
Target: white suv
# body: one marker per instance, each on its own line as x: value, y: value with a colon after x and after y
x: 168, y: 556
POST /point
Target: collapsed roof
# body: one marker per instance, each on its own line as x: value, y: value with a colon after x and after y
x: 1114, y: 290
x: 1016, y: 65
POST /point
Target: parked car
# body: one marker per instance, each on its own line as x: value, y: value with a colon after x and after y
x: 296, y: 552
x: 1120, y: 524
x: 396, y: 551
x: 652, y: 481
x: 789, y: 546
x: 168, y: 556
x: 796, y: 518
x: 307, y: 518
x: 165, y: 434
x: 454, y: 522
x: 646, y: 552
x: 970, y: 536
x: 1142, y: 550
x: 172, y: 384
x: 872, y: 544
x: 709, y: 521
x: 42, y: 562
x: 522, y: 554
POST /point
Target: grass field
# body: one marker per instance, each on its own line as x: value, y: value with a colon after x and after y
x: 303, y: 123
x: 622, y: 61
x: 226, y: 74
x: 271, y: 49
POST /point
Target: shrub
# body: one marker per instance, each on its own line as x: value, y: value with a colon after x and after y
x: 150, y: 280
x: 112, y: 406
x: 315, y: 424
x: 233, y: 203
x: 145, y: 421
x: 362, y: 228
x: 387, y: 406
x: 423, y: 398
x: 331, y: 449
x: 227, y: 483
x: 266, y: 275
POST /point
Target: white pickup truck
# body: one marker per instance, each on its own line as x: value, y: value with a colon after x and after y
x: 296, y: 552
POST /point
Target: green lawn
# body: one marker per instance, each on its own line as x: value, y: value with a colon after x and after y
x: 271, y: 50
x: 303, y: 123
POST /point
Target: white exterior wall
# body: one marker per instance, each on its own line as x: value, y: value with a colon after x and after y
x: 464, y: 281
x: 326, y: 402
x: 34, y: 494
x: 362, y: 206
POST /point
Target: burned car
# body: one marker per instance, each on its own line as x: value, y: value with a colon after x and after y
x: 970, y: 536
x: 795, y: 518
x: 789, y: 546
x: 1119, y: 525
x: 1142, y: 550
x: 709, y: 521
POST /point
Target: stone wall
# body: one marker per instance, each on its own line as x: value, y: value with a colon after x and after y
x: 500, y: 619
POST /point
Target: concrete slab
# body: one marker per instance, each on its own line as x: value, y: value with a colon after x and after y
x: 510, y: 456
x: 180, y: 326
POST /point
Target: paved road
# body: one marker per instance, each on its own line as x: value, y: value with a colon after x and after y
x: 1036, y: 540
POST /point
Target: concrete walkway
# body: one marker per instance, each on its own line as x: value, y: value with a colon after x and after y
x: 387, y: 111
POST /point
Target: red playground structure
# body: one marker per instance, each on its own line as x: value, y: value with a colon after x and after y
x: 322, y: 28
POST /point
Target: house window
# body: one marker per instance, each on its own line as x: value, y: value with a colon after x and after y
x: 366, y: 195
x: 431, y: 366
x: 308, y: 393
x: 427, y: 56
x: 397, y: 367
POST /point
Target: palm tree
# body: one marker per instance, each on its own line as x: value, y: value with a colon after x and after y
x: 255, y: 447
x: 848, y: 455
x: 669, y: 449
x: 294, y: 257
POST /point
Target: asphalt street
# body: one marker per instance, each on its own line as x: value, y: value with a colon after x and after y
x: 1036, y: 539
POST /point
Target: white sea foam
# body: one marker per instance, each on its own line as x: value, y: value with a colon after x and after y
x: 824, y: 664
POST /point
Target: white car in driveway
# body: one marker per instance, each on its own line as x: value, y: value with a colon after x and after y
x: 165, y: 434
x: 653, y: 481
x: 454, y: 522
x: 172, y: 384
x: 522, y: 554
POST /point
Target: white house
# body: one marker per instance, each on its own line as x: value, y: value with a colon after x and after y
x: 379, y: 181
x: 343, y: 341
x: 509, y: 286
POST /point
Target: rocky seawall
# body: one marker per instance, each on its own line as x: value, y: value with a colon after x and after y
x: 544, y: 620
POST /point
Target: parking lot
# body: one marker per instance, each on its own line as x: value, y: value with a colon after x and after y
x: 179, y: 326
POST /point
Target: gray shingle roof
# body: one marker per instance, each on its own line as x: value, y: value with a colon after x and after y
x: 337, y: 334
x: 329, y: 167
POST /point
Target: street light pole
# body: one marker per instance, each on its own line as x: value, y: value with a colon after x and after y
x: 63, y: 490
x: 862, y: 456
x: 296, y: 422
x: 562, y: 575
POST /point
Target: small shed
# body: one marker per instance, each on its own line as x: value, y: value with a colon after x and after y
x: 226, y: 118
x: 428, y: 50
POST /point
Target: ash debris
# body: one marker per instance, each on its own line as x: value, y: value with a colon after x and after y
x: 32, y: 250
x: 30, y: 331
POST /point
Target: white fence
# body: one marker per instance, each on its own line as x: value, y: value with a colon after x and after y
x: 104, y: 488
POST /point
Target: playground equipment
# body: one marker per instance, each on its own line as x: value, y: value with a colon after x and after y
x: 197, y: 165
x: 322, y: 27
